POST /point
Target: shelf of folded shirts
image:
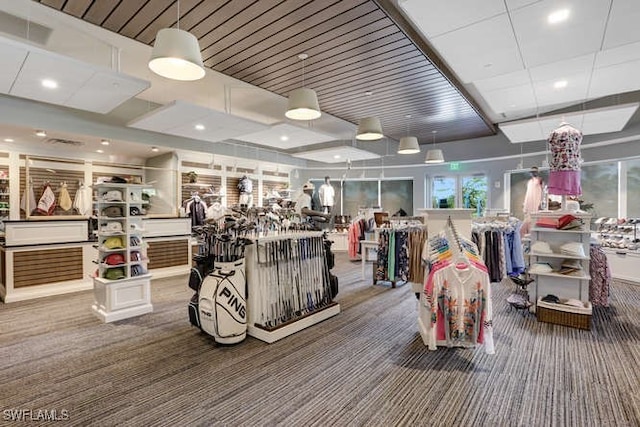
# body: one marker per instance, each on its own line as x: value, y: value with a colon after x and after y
x: 562, y: 276
x: 555, y: 230
x: 555, y: 255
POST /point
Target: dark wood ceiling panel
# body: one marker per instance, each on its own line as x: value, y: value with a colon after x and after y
x: 360, y: 58
x: 263, y: 30
x: 77, y: 8
x: 100, y: 10
x: 124, y: 12
x: 354, y: 46
x: 347, y: 26
x: 166, y: 19
x: 145, y: 16
x: 56, y: 4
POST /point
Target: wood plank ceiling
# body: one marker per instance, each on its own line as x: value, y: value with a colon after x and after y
x: 354, y: 47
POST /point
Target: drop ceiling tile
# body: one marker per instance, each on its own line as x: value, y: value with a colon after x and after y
x: 337, y: 154
x: 623, y: 25
x: 590, y: 122
x: 104, y: 91
x: 615, y: 79
x: 180, y: 118
x: 450, y: 16
x: 504, y: 81
x: 169, y: 116
x: 522, y: 132
x: 68, y: 73
x: 481, y: 50
x: 563, y: 69
x: 619, y: 55
x: 510, y: 99
x: 543, y: 43
x: 285, y: 136
x: 12, y: 59
x: 517, y: 4
x: 576, y: 90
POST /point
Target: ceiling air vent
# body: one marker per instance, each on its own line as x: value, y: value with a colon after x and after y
x: 27, y: 30
x: 68, y: 142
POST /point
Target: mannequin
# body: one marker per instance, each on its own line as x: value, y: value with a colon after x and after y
x: 303, y: 204
x: 326, y: 194
x: 565, y: 163
x: 245, y: 186
x: 533, y: 196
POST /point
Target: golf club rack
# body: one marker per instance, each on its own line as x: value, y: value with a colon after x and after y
x: 219, y: 305
x: 280, y: 285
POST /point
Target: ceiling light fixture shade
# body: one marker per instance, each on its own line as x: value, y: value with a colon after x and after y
x: 434, y: 156
x: 303, y: 105
x: 369, y: 129
x: 176, y: 55
x: 303, y: 102
x: 408, y: 145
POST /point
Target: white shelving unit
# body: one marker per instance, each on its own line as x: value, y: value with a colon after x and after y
x: 122, y: 288
x: 561, y: 285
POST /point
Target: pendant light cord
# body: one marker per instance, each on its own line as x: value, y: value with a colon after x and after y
x: 178, y: 19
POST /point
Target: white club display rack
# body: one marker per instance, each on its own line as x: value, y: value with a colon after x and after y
x: 128, y: 296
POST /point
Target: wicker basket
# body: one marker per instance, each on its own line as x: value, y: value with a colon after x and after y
x: 565, y: 315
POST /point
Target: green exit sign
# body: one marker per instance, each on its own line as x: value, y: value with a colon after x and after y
x: 454, y: 166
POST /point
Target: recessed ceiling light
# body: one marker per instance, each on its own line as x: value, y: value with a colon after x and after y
x: 104, y: 142
x: 199, y: 126
x: 560, y: 84
x: 368, y: 93
x: 99, y: 151
x: 284, y: 138
x: 558, y: 16
x: 49, y: 84
x: 41, y: 133
x: 155, y: 149
x: 8, y: 140
x: 336, y: 156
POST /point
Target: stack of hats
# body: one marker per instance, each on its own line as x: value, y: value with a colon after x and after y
x: 570, y: 267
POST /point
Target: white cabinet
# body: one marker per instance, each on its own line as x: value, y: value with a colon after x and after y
x: 575, y: 284
x: 122, y: 284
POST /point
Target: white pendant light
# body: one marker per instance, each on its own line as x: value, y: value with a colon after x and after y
x: 434, y: 155
x: 369, y: 129
x: 303, y: 102
x: 176, y: 54
x: 408, y: 144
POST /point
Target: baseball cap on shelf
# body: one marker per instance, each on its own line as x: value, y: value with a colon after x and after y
x: 134, y: 211
x: 118, y: 180
x: 134, y: 241
x: 135, y: 256
x: 114, y: 273
x: 136, y: 227
x: 137, y: 270
x: 114, y: 259
x: 112, y: 227
x: 112, y: 211
x: 113, y: 243
x: 112, y: 196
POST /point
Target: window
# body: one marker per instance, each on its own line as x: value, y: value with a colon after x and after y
x: 396, y: 195
x: 443, y: 192
x: 474, y: 193
x: 600, y: 187
x: 359, y: 194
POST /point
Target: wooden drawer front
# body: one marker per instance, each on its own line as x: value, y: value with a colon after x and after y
x: 38, y: 267
x: 168, y: 253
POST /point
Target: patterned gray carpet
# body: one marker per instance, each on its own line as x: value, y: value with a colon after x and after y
x: 366, y: 366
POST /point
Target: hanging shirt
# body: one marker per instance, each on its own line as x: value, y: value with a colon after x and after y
x: 65, y: 199
x: 326, y: 193
x: 47, y: 202
x: 82, y: 202
x: 533, y: 196
x: 30, y: 195
x: 564, y: 144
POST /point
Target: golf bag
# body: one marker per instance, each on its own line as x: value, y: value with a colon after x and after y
x: 203, y: 266
x: 222, y: 303
x: 331, y: 262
